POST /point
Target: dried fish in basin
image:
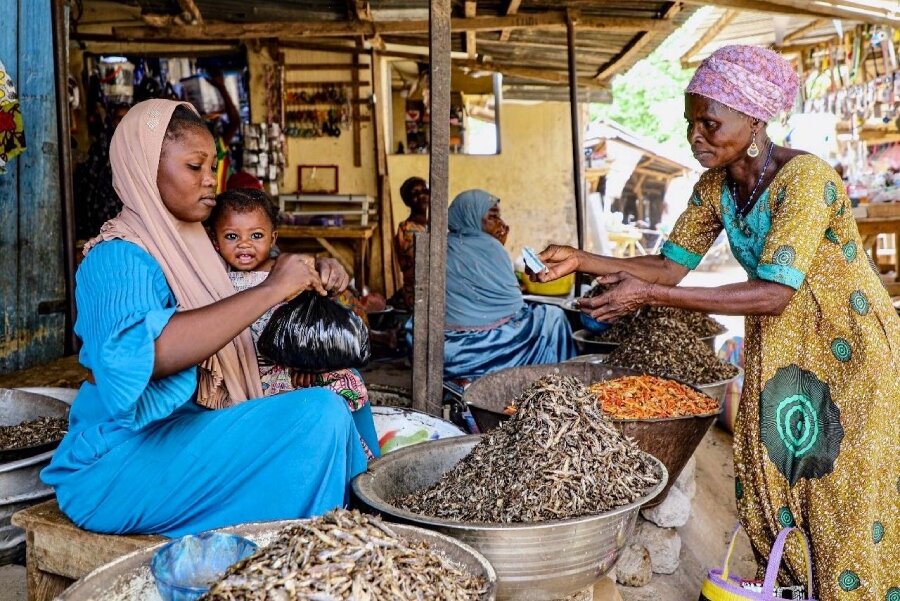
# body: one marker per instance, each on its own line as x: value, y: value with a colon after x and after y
x: 33, y: 432
x: 668, y: 348
x: 345, y: 555
x: 699, y: 324
x: 558, y: 457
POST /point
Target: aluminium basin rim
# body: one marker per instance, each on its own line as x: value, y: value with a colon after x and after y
x: 362, y: 486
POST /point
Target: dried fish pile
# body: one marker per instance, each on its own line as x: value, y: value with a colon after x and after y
x: 558, y: 457
x: 345, y: 555
x: 668, y: 348
x: 34, y: 432
x: 701, y: 324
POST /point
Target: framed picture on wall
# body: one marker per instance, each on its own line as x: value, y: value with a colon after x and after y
x: 317, y: 179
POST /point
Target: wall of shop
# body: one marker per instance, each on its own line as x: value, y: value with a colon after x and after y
x: 532, y: 175
x: 318, y: 151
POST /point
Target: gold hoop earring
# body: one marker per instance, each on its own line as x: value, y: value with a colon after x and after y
x: 753, y: 151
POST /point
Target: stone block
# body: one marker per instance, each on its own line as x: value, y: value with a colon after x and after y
x: 633, y: 567
x: 663, y: 545
x: 674, y: 512
x: 687, y: 479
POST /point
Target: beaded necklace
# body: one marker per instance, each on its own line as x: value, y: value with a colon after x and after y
x: 741, y: 212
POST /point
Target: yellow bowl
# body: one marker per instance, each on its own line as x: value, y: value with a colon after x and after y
x: 560, y: 287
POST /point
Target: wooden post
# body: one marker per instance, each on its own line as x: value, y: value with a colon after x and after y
x: 357, y: 132
x: 577, y: 151
x: 61, y: 58
x: 431, y: 366
x: 389, y: 264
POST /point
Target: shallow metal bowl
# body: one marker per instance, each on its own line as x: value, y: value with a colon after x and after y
x: 129, y: 579
x: 17, y: 406
x: 536, y: 561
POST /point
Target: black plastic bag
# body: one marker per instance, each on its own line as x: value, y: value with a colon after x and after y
x: 314, y: 334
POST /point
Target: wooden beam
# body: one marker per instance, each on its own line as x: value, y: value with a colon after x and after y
x: 359, y: 10
x: 800, y: 31
x: 470, y: 8
x: 634, y: 47
x: 512, y: 7
x: 242, y: 31
x: 544, y: 75
x: 190, y: 9
x: 439, y: 48
x: 575, y: 122
x: 721, y: 23
x: 805, y: 7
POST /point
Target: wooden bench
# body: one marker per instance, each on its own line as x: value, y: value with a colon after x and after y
x: 58, y: 552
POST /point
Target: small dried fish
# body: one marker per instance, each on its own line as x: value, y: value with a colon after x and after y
x: 33, y: 432
x: 666, y: 347
x: 345, y: 556
x: 558, y: 457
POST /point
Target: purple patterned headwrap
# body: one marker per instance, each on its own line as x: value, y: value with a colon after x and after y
x: 751, y: 80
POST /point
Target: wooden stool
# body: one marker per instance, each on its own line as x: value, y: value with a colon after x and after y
x: 58, y: 552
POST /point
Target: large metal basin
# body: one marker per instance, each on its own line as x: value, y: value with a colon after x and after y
x: 671, y: 440
x: 539, y: 561
x: 129, y: 579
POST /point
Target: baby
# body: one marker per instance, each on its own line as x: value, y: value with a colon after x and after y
x: 242, y: 226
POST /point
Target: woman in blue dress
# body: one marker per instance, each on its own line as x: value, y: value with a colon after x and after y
x: 488, y: 326
x: 169, y: 436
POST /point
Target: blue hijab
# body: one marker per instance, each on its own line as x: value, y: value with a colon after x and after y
x: 481, y: 286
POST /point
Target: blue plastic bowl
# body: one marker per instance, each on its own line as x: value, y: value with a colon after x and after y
x: 185, y: 568
x: 592, y: 325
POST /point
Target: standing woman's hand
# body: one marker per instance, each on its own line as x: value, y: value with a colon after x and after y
x: 293, y: 274
x: 333, y: 275
x: 629, y: 295
x: 559, y: 260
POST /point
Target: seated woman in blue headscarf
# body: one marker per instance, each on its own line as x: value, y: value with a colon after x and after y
x: 488, y: 326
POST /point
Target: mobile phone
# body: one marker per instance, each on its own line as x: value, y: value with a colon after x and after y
x: 532, y: 261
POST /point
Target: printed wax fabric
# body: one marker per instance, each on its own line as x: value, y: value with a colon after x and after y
x: 12, y: 128
x: 816, y: 440
x: 141, y: 456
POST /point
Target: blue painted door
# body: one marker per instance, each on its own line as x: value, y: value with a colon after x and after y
x: 32, y: 285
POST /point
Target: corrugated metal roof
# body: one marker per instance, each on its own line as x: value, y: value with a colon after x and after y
x: 598, y: 50
x: 759, y: 28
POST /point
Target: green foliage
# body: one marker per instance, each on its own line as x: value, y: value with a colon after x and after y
x: 649, y: 98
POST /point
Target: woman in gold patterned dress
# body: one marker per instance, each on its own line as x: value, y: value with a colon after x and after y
x: 817, y: 438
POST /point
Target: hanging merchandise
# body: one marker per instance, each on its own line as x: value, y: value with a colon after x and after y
x: 117, y: 79
x: 264, y: 153
x: 321, y: 111
x: 12, y: 128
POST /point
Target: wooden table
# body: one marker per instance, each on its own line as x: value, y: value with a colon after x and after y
x: 58, y: 552
x: 357, y: 236
x: 627, y: 243
x: 869, y: 228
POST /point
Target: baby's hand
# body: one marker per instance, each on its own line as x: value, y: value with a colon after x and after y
x: 333, y: 275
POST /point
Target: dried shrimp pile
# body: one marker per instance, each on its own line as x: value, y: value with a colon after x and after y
x: 649, y: 397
